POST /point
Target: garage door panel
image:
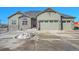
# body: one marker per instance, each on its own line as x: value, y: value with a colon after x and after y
x: 48, y: 26
x: 66, y: 26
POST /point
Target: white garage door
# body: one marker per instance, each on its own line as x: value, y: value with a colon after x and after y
x: 66, y: 25
x: 48, y: 25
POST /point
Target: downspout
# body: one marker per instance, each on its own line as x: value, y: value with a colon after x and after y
x: 8, y: 25
x: 39, y: 26
x: 61, y: 23
x: 18, y: 23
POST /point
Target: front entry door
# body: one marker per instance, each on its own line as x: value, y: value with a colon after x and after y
x: 33, y: 23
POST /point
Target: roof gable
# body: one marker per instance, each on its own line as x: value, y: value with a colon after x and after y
x: 23, y: 16
x: 51, y: 10
x: 18, y: 12
x: 34, y: 14
x: 31, y: 14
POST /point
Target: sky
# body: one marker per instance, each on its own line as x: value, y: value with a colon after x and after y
x: 5, y: 12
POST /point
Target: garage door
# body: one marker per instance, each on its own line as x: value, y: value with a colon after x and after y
x: 66, y: 25
x: 48, y: 25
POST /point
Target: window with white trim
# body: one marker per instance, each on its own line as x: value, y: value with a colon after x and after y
x: 13, y: 21
x: 24, y: 22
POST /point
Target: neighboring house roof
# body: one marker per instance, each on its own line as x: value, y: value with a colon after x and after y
x: 3, y: 26
x: 76, y: 24
x: 34, y: 14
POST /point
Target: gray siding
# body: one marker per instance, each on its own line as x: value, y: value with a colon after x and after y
x: 27, y: 26
x: 43, y: 21
x: 49, y: 16
x: 14, y: 27
x: 68, y: 26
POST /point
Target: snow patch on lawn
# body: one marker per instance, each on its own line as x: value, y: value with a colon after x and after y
x: 18, y: 39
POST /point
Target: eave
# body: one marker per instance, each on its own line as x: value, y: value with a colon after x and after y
x: 18, y: 12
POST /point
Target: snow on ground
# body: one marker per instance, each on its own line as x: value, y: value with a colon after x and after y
x: 15, y: 39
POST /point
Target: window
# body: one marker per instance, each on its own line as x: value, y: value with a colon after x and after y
x: 68, y: 21
x: 55, y: 20
x: 24, y: 23
x: 41, y: 21
x: 51, y: 20
x: 64, y: 21
x: 13, y: 21
x: 46, y: 21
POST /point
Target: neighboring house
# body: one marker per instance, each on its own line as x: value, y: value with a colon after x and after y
x: 48, y: 19
x: 3, y: 28
x: 76, y: 25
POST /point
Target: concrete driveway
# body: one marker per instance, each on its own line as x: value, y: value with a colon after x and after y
x: 55, y: 41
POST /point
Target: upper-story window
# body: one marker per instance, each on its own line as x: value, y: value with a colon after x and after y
x: 24, y: 22
x: 13, y: 21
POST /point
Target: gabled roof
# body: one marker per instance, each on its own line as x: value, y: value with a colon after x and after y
x: 66, y: 16
x: 23, y: 16
x: 34, y: 14
x: 51, y: 10
x: 18, y: 12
